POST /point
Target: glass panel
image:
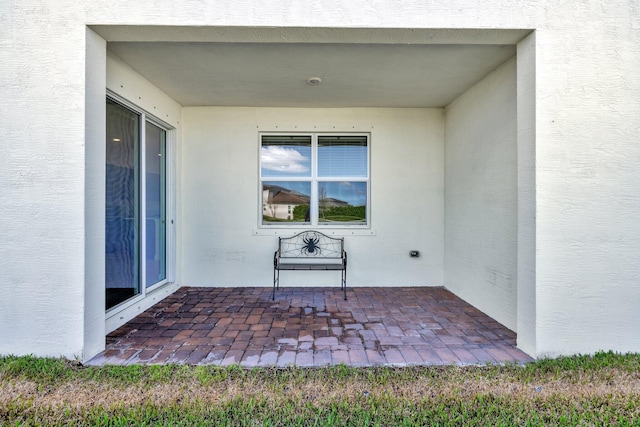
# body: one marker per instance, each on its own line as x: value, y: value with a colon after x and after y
x: 285, y: 201
x: 344, y: 201
x: 122, y: 201
x: 155, y: 212
x: 285, y: 156
x: 342, y: 156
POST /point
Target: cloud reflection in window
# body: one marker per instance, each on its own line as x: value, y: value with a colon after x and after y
x: 284, y: 160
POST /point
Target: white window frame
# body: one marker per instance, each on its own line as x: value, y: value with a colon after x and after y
x: 314, y: 179
x: 170, y: 138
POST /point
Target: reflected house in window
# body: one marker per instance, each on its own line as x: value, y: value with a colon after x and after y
x: 279, y: 203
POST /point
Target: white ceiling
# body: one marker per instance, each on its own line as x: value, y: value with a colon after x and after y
x: 272, y: 73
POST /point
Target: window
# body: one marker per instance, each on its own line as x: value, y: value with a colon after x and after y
x: 314, y: 179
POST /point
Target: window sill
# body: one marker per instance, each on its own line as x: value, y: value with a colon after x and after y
x: 333, y: 231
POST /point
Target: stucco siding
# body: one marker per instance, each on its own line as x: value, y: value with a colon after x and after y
x: 42, y: 179
x: 526, y: 153
x: 94, y: 214
x: 221, y: 241
x: 481, y: 195
x: 587, y: 175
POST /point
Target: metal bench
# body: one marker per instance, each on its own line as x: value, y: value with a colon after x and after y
x: 310, y: 250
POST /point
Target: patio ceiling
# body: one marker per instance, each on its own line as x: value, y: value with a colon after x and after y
x: 270, y: 67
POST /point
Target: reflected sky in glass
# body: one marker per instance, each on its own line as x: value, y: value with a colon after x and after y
x: 285, y: 157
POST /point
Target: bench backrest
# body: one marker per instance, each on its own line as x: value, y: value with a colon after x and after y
x: 311, y: 244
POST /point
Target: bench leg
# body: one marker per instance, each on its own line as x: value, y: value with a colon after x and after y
x: 276, y: 282
x: 344, y: 283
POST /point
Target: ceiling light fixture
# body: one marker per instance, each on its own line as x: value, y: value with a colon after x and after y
x: 314, y: 81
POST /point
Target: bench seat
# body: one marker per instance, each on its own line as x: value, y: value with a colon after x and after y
x: 300, y: 266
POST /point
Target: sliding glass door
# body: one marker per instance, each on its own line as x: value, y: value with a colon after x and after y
x: 136, y: 204
x: 155, y: 201
x: 122, y: 204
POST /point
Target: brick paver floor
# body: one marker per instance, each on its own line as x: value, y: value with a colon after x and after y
x: 311, y: 327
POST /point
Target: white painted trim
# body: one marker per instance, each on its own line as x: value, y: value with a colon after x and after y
x: 313, y: 198
x: 142, y: 205
x: 171, y: 201
x: 294, y: 230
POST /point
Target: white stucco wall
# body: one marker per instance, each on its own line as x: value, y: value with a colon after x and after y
x: 587, y: 175
x: 220, y: 240
x: 42, y: 179
x: 481, y: 196
x: 526, y: 164
x: 94, y: 213
x: 587, y: 233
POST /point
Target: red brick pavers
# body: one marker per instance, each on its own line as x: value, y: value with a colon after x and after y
x: 311, y: 327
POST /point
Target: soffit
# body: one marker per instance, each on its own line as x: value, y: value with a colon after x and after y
x: 269, y: 67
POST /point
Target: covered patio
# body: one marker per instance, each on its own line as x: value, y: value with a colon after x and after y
x: 311, y: 327
x: 438, y: 194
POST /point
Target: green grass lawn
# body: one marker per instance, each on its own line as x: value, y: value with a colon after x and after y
x: 600, y: 390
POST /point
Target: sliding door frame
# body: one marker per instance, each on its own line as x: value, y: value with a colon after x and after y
x: 169, y: 226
